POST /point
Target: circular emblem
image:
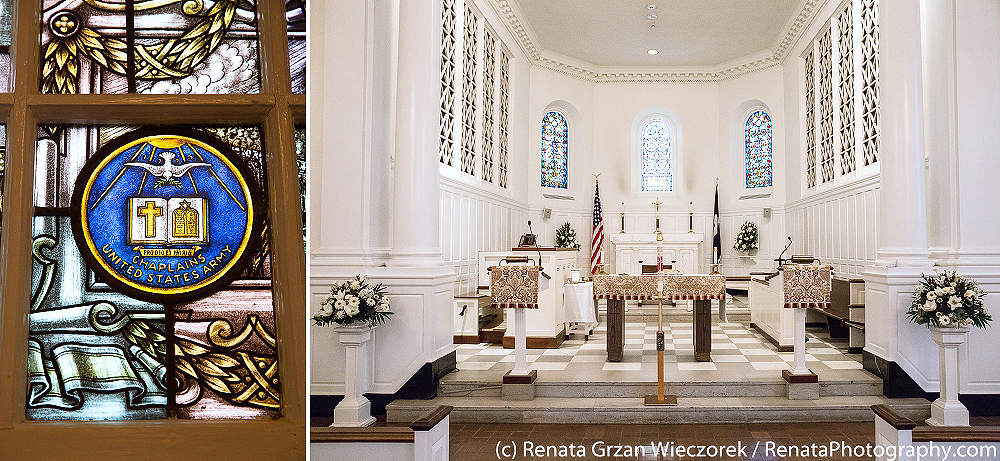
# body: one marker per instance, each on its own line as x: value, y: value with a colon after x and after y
x: 64, y: 23
x: 166, y: 218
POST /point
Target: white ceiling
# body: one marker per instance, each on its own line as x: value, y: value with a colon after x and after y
x: 688, y: 33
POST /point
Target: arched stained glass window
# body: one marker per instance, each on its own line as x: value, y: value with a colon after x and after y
x: 555, y: 151
x: 758, y: 150
x: 657, y: 149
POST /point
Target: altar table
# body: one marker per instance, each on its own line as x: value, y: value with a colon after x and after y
x: 702, y: 289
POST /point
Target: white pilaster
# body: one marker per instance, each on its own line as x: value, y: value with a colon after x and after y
x: 416, y: 182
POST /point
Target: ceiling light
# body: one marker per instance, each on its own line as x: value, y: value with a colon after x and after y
x: 652, y: 26
x: 651, y: 6
x: 652, y: 16
x: 652, y: 52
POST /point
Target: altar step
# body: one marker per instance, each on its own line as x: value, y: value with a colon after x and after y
x: 778, y: 388
x: 631, y: 410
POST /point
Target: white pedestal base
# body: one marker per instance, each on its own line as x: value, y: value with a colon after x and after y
x: 355, y: 409
x: 947, y: 410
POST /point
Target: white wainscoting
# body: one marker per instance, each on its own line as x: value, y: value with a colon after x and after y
x: 771, y: 236
x: 474, y: 220
x: 839, y: 226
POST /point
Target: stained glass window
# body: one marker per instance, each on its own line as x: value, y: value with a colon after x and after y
x: 149, y: 46
x: 95, y: 353
x: 295, y: 13
x: 758, y: 150
x: 555, y: 151
x: 300, y: 162
x: 657, y: 171
x: 5, y: 30
x: 3, y: 156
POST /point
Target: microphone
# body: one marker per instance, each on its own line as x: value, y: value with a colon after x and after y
x: 540, y: 268
x: 780, y: 259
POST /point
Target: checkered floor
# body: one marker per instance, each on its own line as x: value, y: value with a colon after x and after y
x: 738, y: 354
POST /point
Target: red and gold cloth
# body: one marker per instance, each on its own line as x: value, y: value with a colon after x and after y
x: 675, y: 287
x: 806, y: 285
x: 514, y: 286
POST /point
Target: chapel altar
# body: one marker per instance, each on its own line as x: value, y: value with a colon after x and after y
x: 683, y: 247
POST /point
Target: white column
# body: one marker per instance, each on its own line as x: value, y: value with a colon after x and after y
x: 903, y: 213
x: 416, y: 182
x: 938, y: 46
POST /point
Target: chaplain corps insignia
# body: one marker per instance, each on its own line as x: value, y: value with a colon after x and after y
x: 166, y: 218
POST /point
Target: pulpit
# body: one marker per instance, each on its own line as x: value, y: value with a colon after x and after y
x: 545, y: 325
x: 516, y: 288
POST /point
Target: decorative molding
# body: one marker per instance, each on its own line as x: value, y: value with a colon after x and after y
x: 521, y: 30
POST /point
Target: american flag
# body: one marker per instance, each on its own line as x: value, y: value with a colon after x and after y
x: 596, y: 252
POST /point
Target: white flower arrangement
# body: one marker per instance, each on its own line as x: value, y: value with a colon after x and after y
x: 947, y: 299
x: 746, y: 240
x: 566, y: 237
x: 354, y: 301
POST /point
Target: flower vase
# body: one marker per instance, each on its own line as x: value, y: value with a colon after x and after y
x: 355, y: 409
x: 947, y: 410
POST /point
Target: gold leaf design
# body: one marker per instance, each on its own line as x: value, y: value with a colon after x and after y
x: 168, y: 59
x: 241, y: 378
x: 177, y: 57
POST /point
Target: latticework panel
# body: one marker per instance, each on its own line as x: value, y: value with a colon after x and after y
x: 489, y: 64
x: 469, y: 92
x: 825, y: 70
x: 810, y: 121
x: 503, y: 121
x: 869, y: 85
x: 446, y: 123
x: 846, y: 67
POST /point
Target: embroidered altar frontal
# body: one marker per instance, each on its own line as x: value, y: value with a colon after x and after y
x: 514, y: 286
x: 806, y: 286
x: 675, y: 287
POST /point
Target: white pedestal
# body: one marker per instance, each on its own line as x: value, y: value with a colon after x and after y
x: 520, y: 344
x: 799, y: 367
x: 947, y: 410
x: 355, y: 409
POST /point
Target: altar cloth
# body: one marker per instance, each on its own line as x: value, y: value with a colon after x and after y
x: 578, y: 302
x: 646, y: 287
x: 806, y: 286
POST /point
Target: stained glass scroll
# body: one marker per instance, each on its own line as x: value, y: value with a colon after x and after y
x: 95, y: 353
x: 149, y: 46
x: 555, y: 151
x: 657, y: 151
x: 295, y: 14
x: 758, y: 150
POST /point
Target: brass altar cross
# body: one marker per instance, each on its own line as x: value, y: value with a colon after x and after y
x: 659, y: 235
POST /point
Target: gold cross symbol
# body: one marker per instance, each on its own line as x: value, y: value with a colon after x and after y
x: 150, y: 212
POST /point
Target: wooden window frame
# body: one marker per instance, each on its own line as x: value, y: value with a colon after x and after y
x: 278, y: 111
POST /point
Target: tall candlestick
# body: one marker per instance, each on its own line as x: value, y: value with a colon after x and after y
x: 623, y: 218
x: 691, y: 218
